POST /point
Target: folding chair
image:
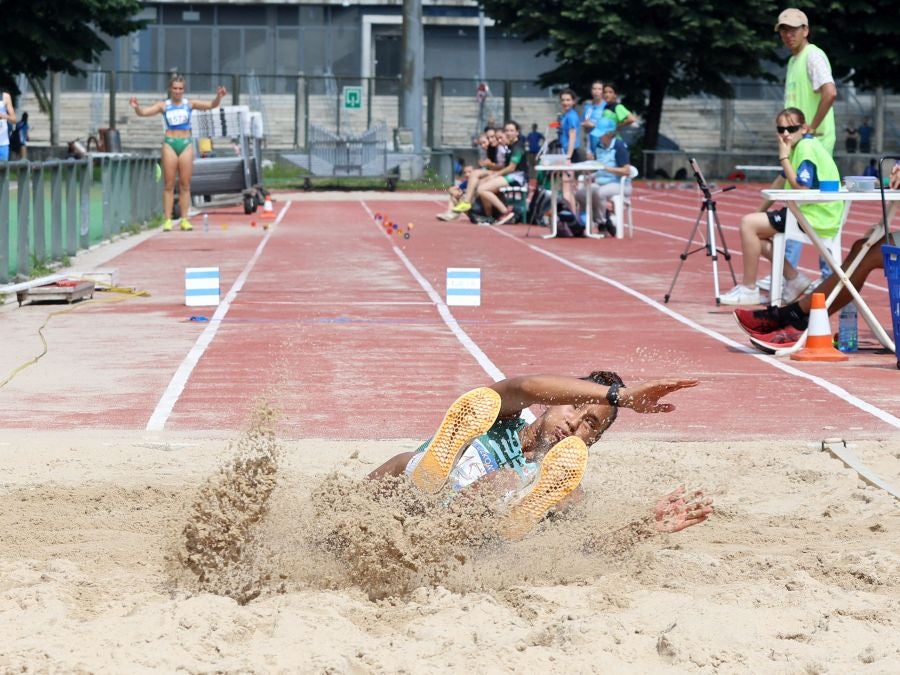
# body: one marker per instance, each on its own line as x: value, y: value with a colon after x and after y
x: 622, y: 206
x: 793, y: 232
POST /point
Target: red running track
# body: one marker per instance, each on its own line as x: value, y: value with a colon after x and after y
x: 342, y: 327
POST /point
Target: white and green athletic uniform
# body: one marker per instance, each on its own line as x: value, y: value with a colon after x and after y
x: 807, y: 72
x: 498, y: 448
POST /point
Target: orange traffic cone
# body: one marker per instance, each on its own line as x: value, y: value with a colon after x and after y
x: 268, y: 211
x: 819, y: 346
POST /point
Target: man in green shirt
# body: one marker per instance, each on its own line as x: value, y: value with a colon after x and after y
x: 809, y: 84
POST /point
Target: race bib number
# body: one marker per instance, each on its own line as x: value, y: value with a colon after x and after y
x: 177, y: 117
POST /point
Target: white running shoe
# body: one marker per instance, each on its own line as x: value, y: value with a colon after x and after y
x: 448, y: 216
x: 765, y: 284
x: 740, y: 295
x: 794, y: 288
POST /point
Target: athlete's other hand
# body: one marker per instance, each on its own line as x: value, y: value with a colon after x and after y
x: 644, y: 398
x: 677, y: 510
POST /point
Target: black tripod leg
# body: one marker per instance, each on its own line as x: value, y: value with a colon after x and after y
x: 725, y: 252
x: 687, y: 251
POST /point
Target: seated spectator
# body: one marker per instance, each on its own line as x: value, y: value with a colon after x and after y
x: 615, y: 111
x: 781, y: 327
x: 455, y: 193
x: 871, y: 169
x: 494, y: 161
x: 612, y: 152
x: 805, y: 162
x: 511, y: 175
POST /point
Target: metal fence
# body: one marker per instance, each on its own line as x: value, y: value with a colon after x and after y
x: 51, y: 210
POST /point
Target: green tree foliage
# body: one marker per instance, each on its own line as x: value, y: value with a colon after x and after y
x: 658, y: 48
x: 862, y: 40
x: 41, y: 36
x: 651, y: 49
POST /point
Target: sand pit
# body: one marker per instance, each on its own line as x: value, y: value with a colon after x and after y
x: 136, y: 552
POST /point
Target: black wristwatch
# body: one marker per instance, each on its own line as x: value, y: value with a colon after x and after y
x: 612, y: 396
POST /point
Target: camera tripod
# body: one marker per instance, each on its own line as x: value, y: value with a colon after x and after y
x: 712, y: 227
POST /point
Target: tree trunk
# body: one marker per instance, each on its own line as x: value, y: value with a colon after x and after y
x: 652, y: 120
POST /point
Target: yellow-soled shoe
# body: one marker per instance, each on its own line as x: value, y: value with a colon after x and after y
x: 561, y: 472
x: 167, y: 225
x: 471, y: 415
x: 185, y: 225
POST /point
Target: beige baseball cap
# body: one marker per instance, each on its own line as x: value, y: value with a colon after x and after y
x: 791, y: 17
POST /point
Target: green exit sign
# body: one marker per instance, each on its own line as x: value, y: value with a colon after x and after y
x: 352, y: 98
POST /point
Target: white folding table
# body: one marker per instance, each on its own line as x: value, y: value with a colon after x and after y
x: 556, y: 170
x: 793, y: 199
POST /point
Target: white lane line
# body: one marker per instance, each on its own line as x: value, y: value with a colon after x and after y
x: 330, y: 303
x: 166, y: 404
x: 830, y: 387
x: 480, y: 357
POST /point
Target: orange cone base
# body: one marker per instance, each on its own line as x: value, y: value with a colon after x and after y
x: 819, y: 348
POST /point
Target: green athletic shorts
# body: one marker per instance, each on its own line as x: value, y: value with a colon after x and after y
x: 179, y: 145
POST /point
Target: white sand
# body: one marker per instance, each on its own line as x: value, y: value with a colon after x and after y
x: 798, y: 571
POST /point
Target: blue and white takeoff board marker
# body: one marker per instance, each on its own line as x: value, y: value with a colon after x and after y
x: 201, y: 286
x: 464, y: 286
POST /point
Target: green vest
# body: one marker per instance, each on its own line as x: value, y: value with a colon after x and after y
x: 798, y: 93
x: 824, y: 217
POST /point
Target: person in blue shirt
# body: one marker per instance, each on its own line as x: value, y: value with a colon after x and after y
x: 612, y: 152
x: 178, y: 146
x: 483, y: 443
x: 591, y: 114
x: 534, y: 142
x: 570, y: 140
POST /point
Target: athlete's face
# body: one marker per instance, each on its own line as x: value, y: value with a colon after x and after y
x: 512, y: 134
x: 609, y: 94
x: 588, y: 422
x: 176, y: 90
x: 597, y: 91
x: 566, y: 101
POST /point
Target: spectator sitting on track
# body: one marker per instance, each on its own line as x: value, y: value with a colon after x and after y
x: 494, y: 161
x: 484, y: 444
x: 456, y: 193
x: 612, y: 152
x: 512, y: 175
x: 782, y: 326
x: 805, y: 163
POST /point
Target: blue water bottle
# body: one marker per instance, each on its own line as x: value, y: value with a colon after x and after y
x: 848, y: 336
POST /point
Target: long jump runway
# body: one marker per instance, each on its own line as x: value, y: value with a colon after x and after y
x: 344, y: 329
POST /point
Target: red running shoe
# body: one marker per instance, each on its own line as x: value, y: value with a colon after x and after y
x: 755, y: 321
x: 782, y: 338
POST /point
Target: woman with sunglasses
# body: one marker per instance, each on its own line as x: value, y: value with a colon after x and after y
x: 804, y: 163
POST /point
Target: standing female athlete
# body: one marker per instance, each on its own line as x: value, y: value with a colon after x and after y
x: 178, y: 148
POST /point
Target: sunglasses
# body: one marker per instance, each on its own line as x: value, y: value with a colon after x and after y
x: 794, y: 128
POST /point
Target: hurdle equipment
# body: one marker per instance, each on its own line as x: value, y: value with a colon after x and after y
x: 469, y: 416
x: 464, y: 286
x: 561, y: 472
x: 201, y: 286
x: 819, y: 346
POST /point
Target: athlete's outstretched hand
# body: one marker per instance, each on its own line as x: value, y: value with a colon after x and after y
x: 678, y: 510
x: 644, y: 398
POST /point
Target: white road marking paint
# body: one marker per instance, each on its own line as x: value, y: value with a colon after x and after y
x: 828, y: 386
x: 166, y: 404
x: 467, y: 342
